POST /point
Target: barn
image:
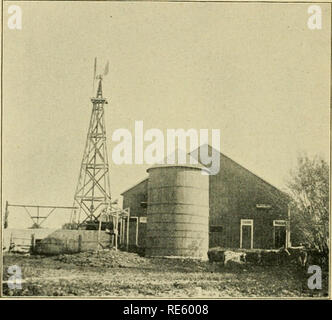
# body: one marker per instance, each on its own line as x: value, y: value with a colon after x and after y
x: 177, y: 211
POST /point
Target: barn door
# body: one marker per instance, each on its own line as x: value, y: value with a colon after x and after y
x: 133, y: 231
x: 215, y: 236
x: 279, y: 233
x: 246, y: 234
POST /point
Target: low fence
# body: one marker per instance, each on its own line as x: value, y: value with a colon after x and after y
x: 20, y: 240
x: 72, y: 241
x: 50, y: 242
x: 18, y: 244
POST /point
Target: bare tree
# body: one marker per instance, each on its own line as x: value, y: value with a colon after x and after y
x: 309, y: 189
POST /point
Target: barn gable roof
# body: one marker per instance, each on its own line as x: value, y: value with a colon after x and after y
x: 135, y: 185
x: 228, y: 159
x: 245, y: 169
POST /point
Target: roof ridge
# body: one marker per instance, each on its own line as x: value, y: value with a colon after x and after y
x: 241, y: 166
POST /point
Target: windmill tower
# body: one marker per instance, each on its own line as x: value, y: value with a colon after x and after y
x: 93, y: 195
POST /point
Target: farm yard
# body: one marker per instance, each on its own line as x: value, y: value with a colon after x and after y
x: 121, y: 274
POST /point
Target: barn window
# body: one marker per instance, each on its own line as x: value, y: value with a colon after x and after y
x: 142, y: 197
x: 144, y: 204
x: 143, y: 219
x: 279, y: 223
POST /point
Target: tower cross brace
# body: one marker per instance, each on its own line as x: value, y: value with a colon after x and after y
x: 92, y: 194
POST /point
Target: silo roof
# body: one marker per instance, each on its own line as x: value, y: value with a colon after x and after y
x: 179, y: 158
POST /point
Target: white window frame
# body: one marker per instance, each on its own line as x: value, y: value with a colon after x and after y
x: 247, y: 222
x: 142, y: 219
x: 279, y: 223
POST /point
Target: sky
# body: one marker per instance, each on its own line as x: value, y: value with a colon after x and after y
x: 256, y: 72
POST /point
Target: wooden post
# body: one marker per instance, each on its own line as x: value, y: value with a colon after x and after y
x: 112, y: 233
x: 128, y: 222
x: 116, y: 232
x: 6, y: 216
x: 33, y: 242
x: 79, y: 243
x: 99, y: 230
x: 137, y: 221
x: 121, y: 231
x: 124, y: 226
x: 10, y: 242
x: 288, y: 242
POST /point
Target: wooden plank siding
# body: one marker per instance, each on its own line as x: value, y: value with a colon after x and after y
x: 233, y: 195
x: 134, y: 199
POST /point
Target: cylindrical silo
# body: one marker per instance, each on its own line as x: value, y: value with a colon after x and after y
x: 178, y: 211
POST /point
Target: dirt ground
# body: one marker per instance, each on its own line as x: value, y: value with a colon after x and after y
x: 120, y: 274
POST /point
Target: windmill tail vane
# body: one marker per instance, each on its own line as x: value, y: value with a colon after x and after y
x: 99, y: 76
x: 105, y: 73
